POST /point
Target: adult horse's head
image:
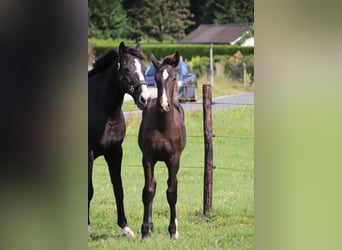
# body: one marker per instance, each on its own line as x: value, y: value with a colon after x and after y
x: 132, y: 75
x: 166, y: 80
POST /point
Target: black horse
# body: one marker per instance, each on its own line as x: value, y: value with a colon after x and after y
x: 113, y: 75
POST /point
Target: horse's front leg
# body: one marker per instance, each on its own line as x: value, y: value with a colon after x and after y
x: 114, y: 160
x: 171, y: 194
x: 148, y: 193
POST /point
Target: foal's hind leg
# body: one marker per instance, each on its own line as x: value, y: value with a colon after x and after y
x: 171, y: 194
x: 90, y: 186
x: 114, y: 164
x: 147, y: 196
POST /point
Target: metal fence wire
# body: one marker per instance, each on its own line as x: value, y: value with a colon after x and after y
x: 247, y: 140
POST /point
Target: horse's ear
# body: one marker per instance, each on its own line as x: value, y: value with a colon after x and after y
x: 154, y: 61
x: 138, y: 47
x: 175, y: 59
x: 122, y: 48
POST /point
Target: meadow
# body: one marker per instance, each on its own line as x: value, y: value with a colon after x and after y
x: 231, y: 223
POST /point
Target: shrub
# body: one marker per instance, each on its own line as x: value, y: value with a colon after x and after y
x: 233, y: 68
x: 200, y: 65
x: 91, y: 54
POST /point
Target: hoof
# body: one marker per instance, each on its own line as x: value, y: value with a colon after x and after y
x: 146, y: 237
x: 174, y: 236
x: 146, y: 230
x: 127, y: 232
x: 173, y: 230
x: 90, y: 233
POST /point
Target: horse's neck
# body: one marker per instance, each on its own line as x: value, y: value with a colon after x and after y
x: 113, y: 96
x: 115, y: 105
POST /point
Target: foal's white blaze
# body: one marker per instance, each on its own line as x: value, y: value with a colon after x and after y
x: 126, y: 231
x: 164, y: 102
x: 165, y: 74
x: 144, y: 90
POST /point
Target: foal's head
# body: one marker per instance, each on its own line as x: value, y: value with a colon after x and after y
x: 166, y: 80
x: 132, y: 72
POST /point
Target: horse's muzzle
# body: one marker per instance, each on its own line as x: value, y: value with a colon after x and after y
x: 143, y: 103
x: 165, y: 108
x: 144, y: 97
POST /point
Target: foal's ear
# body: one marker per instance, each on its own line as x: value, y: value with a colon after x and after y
x: 175, y: 59
x: 154, y: 61
x: 122, y: 48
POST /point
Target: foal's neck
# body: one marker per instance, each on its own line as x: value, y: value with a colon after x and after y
x: 166, y: 118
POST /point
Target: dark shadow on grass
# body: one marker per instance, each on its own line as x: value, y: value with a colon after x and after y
x: 105, y: 237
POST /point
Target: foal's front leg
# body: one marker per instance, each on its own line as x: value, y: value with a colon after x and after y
x: 171, y: 194
x: 147, y: 197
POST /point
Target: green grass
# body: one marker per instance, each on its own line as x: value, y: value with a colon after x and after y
x: 231, y: 223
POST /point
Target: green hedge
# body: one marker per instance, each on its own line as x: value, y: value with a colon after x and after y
x: 161, y: 50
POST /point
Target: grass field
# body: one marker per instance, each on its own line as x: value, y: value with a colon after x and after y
x: 231, y: 223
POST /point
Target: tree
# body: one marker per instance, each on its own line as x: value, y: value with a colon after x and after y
x: 162, y: 19
x: 159, y: 19
x: 224, y: 11
x: 108, y: 19
x: 234, y: 11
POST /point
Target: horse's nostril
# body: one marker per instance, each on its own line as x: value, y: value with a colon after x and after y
x: 142, y: 100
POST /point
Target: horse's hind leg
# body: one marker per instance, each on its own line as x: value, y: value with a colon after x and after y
x: 148, y: 194
x: 114, y: 165
x: 90, y: 187
x: 171, y: 194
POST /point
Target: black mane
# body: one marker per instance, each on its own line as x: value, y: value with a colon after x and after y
x: 105, y: 60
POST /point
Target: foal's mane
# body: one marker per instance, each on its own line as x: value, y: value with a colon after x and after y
x: 172, y: 60
x: 168, y: 60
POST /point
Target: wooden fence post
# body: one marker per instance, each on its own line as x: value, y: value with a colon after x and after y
x: 208, y: 149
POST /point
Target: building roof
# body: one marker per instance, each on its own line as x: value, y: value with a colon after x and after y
x: 216, y: 33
